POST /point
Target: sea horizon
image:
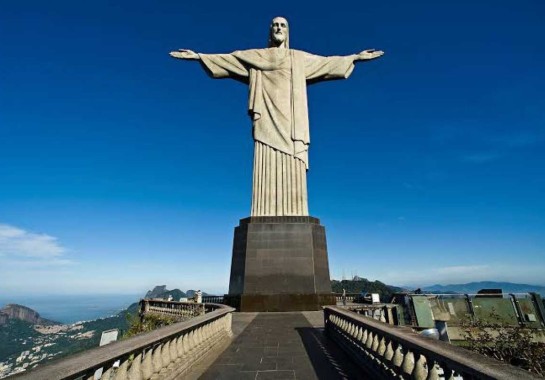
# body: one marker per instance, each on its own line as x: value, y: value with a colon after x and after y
x: 71, y: 308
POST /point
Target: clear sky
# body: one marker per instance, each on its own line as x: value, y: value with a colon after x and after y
x: 122, y: 168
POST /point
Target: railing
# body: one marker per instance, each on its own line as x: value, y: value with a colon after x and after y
x: 382, y: 313
x: 177, y: 310
x: 388, y: 352
x: 213, y: 299
x: 350, y: 297
x: 166, y: 353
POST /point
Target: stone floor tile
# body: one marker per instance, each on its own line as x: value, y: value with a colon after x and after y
x: 281, y: 346
x: 276, y: 375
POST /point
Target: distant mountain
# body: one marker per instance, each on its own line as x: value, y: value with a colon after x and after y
x: 474, y: 287
x: 359, y: 285
x: 161, y: 291
x: 190, y: 293
x: 23, y: 313
x: 156, y: 292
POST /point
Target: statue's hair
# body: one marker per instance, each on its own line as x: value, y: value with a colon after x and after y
x: 287, y: 42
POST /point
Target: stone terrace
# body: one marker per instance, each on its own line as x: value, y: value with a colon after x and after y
x: 281, y: 346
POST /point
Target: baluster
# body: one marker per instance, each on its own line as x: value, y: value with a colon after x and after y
x: 359, y: 334
x: 147, y: 365
x: 408, y: 363
x: 206, y: 332
x: 230, y: 322
x: 420, y: 372
x: 173, y: 350
x: 382, y: 347
x: 433, y: 374
x: 165, y: 354
x: 398, y: 356
x: 198, y: 334
x: 374, y: 347
x: 369, y: 341
x: 191, y: 343
x: 389, y: 354
x: 182, y: 346
x: 135, y: 370
x: 214, y: 330
x: 381, y: 357
x: 120, y: 373
x: 156, y: 359
x: 364, y: 338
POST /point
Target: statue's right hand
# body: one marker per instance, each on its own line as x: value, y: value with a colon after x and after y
x: 184, y: 54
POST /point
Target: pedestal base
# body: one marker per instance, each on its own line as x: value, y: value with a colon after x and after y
x: 279, y: 264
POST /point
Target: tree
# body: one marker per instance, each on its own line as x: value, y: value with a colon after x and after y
x: 514, y: 345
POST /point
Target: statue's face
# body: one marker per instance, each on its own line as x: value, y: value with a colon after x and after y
x: 279, y: 30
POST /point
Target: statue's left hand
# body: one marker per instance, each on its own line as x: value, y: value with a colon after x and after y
x: 369, y: 54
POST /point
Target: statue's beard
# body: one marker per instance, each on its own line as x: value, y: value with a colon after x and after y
x: 278, y: 38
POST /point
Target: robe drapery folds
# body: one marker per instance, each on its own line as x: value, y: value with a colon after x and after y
x: 277, y: 104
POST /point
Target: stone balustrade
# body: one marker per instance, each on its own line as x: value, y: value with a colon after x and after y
x: 388, y: 352
x: 174, y: 309
x: 213, y: 299
x: 166, y: 353
x: 350, y: 297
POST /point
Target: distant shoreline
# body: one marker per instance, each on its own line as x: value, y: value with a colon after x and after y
x: 69, y: 309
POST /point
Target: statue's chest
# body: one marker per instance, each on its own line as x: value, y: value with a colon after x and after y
x: 279, y: 59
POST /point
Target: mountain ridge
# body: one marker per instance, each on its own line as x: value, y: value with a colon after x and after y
x: 474, y: 287
x: 161, y: 291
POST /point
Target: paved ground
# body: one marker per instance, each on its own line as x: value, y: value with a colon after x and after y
x: 281, y: 346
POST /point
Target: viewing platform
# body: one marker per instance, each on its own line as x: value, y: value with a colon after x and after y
x: 221, y: 344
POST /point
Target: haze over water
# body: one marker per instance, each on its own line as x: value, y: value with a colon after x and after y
x: 73, y: 308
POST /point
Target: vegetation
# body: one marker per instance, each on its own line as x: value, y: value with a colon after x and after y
x: 16, y: 336
x: 149, y: 322
x: 509, y: 344
x: 360, y: 285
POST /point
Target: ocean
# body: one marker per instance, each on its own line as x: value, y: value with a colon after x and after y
x: 73, y: 308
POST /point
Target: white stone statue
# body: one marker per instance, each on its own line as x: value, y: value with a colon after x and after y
x: 277, y: 79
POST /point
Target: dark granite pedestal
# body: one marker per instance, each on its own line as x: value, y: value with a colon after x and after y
x: 279, y: 264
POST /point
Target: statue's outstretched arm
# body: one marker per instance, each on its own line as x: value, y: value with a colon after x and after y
x: 216, y: 65
x: 185, y: 54
x: 368, y: 54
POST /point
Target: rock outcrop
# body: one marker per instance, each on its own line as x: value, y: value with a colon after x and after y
x: 157, y: 291
x: 3, y: 318
x: 23, y: 313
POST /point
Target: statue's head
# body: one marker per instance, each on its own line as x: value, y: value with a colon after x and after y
x: 279, y: 33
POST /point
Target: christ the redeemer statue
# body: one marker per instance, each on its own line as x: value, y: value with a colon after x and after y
x: 277, y: 78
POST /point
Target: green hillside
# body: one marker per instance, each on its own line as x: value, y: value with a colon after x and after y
x: 363, y: 285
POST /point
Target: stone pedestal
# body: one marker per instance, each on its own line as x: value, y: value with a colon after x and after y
x: 279, y: 264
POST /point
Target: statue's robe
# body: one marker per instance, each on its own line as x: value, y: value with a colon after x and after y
x: 277, y: 105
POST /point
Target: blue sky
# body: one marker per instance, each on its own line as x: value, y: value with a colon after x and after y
x: 122, y: 168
